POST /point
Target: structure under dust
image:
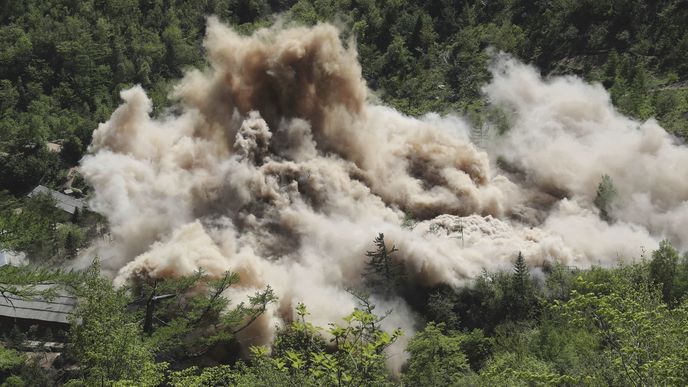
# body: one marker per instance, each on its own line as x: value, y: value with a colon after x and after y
x: 277, y: 166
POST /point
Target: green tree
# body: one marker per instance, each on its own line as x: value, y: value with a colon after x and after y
x: 10, y: 360
x: 521, y: 299
x: 663, y: 268
x: 440, y: 308
x: 359, y: 357
x: 300, y: 336
x: 183, y: 323
x: 25, y: 168
x: 24, y: 281
x: 604, y: 199
x: 436, y: 358
x: 510, y: 369
x: 642, y: 338
x: 384, y: 274
x: 70, y: 244
x: 31, y: 226
x: 521, y: 277
x: 72, y: 150
x: 681, y: 278
x: 356, y: 358
x: 104, y: 340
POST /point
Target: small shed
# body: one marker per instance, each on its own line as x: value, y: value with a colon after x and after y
x: 53, y: 312
x: 62, y: 201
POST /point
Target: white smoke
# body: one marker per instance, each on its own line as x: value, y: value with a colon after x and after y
x: 566, y: 134
x: 279, y: 168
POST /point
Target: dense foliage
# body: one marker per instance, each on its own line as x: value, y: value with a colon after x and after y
x: 63, y: 63
x: 618, y: 326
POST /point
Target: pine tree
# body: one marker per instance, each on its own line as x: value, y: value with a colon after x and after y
x: 521, y: 277
x: 383, y: 275
x: 606, y: 193
x: 521, y: 299
x: 70, y: 244
x: 76, y: 216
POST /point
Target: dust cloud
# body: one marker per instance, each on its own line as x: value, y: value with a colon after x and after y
x: 278, y: 166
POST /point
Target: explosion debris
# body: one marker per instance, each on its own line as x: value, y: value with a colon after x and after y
x: 279, y: 168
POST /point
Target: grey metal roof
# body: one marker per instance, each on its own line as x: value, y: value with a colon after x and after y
x: 65, y: 202
x: 56, y: 309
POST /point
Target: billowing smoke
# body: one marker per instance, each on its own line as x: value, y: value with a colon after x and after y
x: 278, y: 167
x: 566, y: 135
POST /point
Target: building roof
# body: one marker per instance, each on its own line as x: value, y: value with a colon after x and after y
x: 65, y: 202
x: 57, y: 309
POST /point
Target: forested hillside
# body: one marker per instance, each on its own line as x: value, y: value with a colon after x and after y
x: 211, y: 207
